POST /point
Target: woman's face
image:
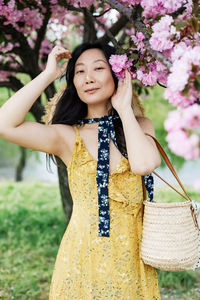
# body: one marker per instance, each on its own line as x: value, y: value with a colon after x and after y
x: 93, y: 78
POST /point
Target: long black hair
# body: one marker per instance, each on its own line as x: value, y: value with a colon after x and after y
x: 70, y: 108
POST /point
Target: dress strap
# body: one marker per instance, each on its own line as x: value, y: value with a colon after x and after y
x: 76, y: 130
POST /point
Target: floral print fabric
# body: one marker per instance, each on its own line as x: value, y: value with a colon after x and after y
x: 92, y: 267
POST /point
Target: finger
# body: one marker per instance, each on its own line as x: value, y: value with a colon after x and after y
x: 128, y: 78
x: 63, y: 55
x: 58, y: 50
x: 64, y: 67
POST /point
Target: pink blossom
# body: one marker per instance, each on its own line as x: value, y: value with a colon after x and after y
x: 178, y: 51
x: 183, y: 145
x: 4, y: 75
x: 162, y: 31
x: 119, y: 63
x: 138, y: 41
x: 177, y: 99
x: 191, y: 116
x: 182, y: 140
x: 46, y: 47
x: 174, y: 121
x: 156, y: 8
x: 148, y: 75
x: 31, y: 17
x: 180, y: 73
x: 130, y: 31
x: 140, y: 36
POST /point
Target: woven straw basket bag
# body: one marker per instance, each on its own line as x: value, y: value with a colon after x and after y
x: 170, y: 230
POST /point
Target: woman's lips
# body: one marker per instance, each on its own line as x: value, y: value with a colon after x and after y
x: 91, y: 91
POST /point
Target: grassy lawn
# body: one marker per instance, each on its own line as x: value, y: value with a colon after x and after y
x: 31, y: 227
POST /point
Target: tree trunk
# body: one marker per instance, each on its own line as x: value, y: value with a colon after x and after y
x: 21, y: 164
x: 66, y: 197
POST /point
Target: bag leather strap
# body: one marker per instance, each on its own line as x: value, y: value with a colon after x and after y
x: 167, y: 161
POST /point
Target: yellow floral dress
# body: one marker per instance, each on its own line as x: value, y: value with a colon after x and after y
x: 92, y: 267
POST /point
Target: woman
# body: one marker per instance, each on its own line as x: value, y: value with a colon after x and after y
x: 101, y: 139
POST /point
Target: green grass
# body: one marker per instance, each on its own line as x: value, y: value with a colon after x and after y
x: 32, y: 224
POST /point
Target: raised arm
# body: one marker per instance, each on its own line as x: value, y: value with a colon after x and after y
x: 45, y: 138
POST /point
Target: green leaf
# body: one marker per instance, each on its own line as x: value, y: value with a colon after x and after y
x: 2, y: 38
x: 180, y: 24
x: 194, y: 24
x: 197, y: 85
x: 198, y: 78
x: 134, y: 56
x: 185, y: 92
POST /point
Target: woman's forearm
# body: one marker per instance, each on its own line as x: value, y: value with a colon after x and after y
x: 143, y: 155
x: 13, y: 112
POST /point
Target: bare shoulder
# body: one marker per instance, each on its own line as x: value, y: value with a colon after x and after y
x: 147, y: 125
x: 67, y: 135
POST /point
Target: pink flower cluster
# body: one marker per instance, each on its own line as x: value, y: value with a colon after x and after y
x: 31, y: 17
x: 156, y: 8
x: 151, y: 73
x: 138, y: 41
x: 185, y: 68
x: 148, y: 74
x: 163, y: 31
x: 119, y: 64
x: 182, y: 137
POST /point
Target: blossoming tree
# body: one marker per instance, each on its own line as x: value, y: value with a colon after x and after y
x: 158, y: 41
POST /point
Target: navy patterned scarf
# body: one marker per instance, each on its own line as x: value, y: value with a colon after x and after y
x: 105, y: 131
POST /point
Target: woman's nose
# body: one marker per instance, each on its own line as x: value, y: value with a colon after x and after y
x: 89, y: 78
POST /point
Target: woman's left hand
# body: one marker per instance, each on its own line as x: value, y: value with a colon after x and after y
x: 122, y: 98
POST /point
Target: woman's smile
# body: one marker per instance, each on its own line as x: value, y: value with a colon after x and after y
x: 91, y: 91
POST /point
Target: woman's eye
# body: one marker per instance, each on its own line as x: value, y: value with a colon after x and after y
x: 99, y: 68
x: 79, y: 71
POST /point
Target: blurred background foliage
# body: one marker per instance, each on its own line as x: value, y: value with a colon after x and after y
x: 156, y: 108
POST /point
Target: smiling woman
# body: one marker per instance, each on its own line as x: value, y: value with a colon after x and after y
x: 98, y: 130
x: 93, y: 77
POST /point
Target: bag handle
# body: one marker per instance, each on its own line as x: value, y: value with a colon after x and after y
x: 168, y: 163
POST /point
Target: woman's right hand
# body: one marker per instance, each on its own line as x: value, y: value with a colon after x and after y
x: 52, y: 67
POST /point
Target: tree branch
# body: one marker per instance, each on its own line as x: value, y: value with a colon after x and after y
x: 6, y: 84
x: 41, y: 32
x: 114, y: 30
x: 7, y: 68
x: 90, y: 33
x: 103, y: 13
x: 179, y: 11
x: 71, y: 7
x: 109, y: 35
x: 135, y: 18
x: 121, y: 8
